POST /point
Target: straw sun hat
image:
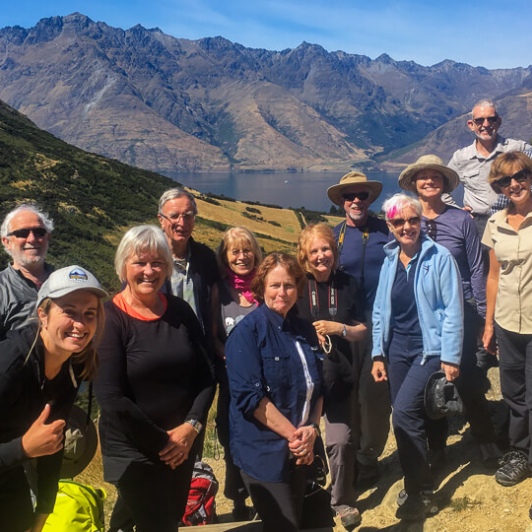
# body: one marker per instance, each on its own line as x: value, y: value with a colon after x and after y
x: 428, y: 162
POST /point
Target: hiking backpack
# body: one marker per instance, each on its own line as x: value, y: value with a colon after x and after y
x: 201, y: 503
x: 78, y: 508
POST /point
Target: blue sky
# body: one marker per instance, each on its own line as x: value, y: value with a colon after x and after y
x: 493, y: 33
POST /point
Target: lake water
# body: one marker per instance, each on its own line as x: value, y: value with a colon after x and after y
x: 295, y: 190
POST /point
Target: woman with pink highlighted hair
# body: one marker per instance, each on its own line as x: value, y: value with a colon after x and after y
x: 417, y: 330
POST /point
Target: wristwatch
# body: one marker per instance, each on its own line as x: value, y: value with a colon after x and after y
x: 195, y: 424
x: 344, y: 331
x: 316, y: 428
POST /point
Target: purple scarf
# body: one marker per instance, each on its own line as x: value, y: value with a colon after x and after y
x: 241, y: 283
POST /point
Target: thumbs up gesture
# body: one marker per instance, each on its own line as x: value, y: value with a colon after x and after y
x: 42, y: 439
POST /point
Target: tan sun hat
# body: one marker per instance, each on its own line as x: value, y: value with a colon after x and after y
x: 428, y: 162
x: 336, y: 192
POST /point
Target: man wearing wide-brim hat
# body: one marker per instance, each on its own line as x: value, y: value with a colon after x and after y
x: 361, y: 237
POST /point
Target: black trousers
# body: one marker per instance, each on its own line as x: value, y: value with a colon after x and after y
x: 16, y: 509
x: 515, y: 362
x: 234, y: 487
x: 279, y: 504
x: 470, y: 386
x: 156, y: 495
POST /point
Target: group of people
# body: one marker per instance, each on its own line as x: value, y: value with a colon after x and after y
x: 351, y: 327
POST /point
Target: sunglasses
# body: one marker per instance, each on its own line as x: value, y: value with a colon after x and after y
x: 491, y: 119
x: 38, y: 232
x: 400, y: 222
x: 351, y: 196
x: 506, y: 181
x: 431, y: 229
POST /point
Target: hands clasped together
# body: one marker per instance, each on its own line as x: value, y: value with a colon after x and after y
x: 180, y: 441
x: 301, y: 444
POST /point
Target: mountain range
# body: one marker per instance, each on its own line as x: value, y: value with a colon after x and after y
x: 170, y: 105
x: 93, y: 200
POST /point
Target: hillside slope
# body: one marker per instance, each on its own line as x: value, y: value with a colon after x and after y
x: 93, y: 200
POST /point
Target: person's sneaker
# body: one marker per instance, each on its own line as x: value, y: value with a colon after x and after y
x: 412, y: 509
x: 490, y: 455
x: 350, y: 518
x: 514, y: 469
x: 431, y: 508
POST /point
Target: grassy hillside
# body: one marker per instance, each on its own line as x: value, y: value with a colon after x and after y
x: 93, y: 200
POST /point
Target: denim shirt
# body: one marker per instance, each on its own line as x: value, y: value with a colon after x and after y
x: 263, y: 361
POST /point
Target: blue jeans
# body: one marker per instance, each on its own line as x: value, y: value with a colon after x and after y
x: 407, y: 377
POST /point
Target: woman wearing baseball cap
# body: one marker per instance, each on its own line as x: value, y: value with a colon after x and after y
x: 41, y: 368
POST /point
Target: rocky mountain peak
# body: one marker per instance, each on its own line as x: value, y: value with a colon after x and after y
x: 171, y: 104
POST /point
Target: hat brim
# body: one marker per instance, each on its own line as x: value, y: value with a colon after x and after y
x: 100, y: 292
x: 435, y: 385
x: 79, y: 453
x: 336, y: 192
x: 450, y: 177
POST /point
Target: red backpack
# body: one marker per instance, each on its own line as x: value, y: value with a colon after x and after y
x: 201, y: 503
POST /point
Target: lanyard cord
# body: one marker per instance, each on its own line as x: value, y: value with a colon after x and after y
x: 314, y: 300
x: 314, y: 303
x: 340, y: 244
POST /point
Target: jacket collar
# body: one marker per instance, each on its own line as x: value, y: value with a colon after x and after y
x: 393, y: 248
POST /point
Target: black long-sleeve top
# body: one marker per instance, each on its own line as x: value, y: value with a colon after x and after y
x: 24, y: 391
x: 152, y: 376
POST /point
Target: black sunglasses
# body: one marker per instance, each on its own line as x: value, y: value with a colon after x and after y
x: 38, y: 232
x: 400, y: 222
x: 506, y: 181
x: 491, y: 119
x: 350, y: 196
x: 431, y: 229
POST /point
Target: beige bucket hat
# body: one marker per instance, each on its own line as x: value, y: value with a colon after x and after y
x: 428, y: 162
x: 336, y: 192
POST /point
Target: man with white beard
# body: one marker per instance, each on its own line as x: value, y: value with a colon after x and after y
x: 25, y: 234
x: 360, y: 238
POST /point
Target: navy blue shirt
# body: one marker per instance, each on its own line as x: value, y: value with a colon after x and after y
x: 263, y: 361
x: 377, y: 234
x: 404, y: 308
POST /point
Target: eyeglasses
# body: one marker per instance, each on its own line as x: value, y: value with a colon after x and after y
x: 400, y: 222
x: 187, y: 217
x: 245, y: 252
x: 506, y: 181
x: 431, y: 229
x: 38, y: 232
x: 491, y: 119
x: 362, y: 196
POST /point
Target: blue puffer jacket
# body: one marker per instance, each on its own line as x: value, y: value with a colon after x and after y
x: 438, y: 293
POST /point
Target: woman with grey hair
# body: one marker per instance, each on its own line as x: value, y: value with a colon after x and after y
x: 417, y: 330
x: 154, y: 386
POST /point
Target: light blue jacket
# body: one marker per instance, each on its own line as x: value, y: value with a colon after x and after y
x: 438, y: 293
